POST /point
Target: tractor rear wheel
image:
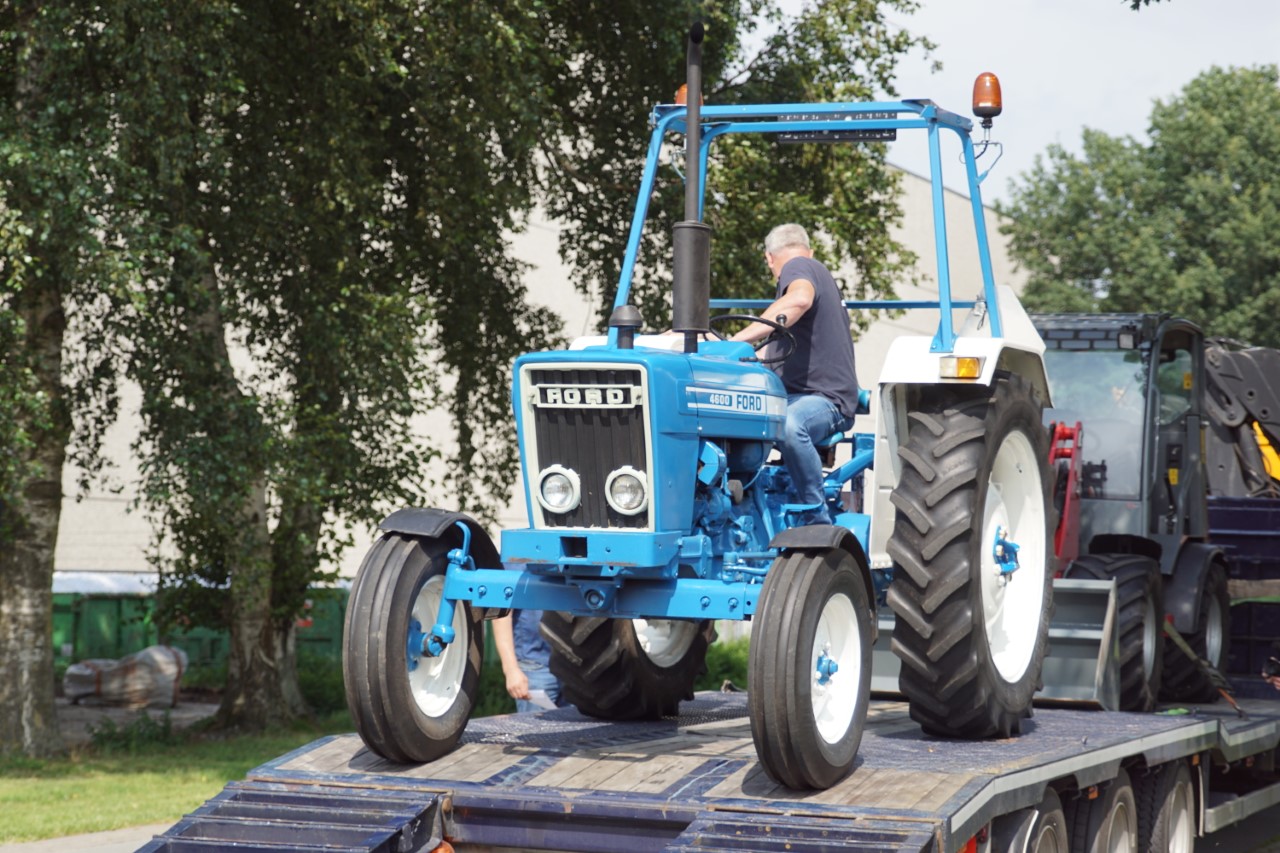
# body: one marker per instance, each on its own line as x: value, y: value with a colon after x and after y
x: 626, y: 669
x: 809, y: 668
x: 407, y: 706
x: 975, y: 483
x: 1184, y: 680
x: 1140, y: 621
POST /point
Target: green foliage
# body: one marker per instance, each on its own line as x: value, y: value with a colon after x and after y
x: 491, y: 695
x: 726, y: 661
x: 143, y: 730
x: 1184, y: 223
x: 844, y: 194
x: 320, y: 678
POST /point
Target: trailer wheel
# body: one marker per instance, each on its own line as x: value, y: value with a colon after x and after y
x: 407, y: 706
x: 1106, y: 824
x: 1039, y: 829
x: 1184, y: 680
x: 809, y: 668
x: 1166, y: 809
x: 972, y: 642
x: 626, y: 669
x: 1140, y: 621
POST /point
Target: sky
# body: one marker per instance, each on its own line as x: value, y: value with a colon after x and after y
x: 1065, y: 65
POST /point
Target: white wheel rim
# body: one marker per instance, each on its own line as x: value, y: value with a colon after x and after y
x: 1119, y: 839
x: 1182, y: 830
x: 1012, y: 607
x: 1045, y: 841
x: 837, y: 637
x: 436, y: 681
x: 664, y: 641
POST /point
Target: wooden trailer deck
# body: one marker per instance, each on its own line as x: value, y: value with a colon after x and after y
x: 561, y: 781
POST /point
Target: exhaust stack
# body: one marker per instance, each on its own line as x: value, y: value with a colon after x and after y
x: 691, y: 239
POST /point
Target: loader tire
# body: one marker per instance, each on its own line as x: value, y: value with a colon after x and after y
x: 407, y: 706
x: 972, y: 642
x: 626, y: 669
x: 1184, y: 679
x: 1139, y: 621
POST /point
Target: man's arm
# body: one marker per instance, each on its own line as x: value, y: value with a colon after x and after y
x: 504, y: 641
x: 792, y: 304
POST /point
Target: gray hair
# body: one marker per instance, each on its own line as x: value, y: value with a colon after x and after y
x: 786, y: 235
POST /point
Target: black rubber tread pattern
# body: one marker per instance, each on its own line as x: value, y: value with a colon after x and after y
x: 605, y: 673
x: 1137, y: 582
x: 780, y: 675
x: 1048, y: 818
x: 947, y: 675
x: 1086, y: 819
x: 1184, y: 680
x: 1153, y: 791
x: 375, y: 655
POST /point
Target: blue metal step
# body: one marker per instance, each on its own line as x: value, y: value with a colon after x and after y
x: 722, y: 832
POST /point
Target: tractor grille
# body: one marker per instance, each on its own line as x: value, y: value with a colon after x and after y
x: 592, y: 421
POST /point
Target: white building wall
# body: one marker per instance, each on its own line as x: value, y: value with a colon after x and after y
x: 101, y: 532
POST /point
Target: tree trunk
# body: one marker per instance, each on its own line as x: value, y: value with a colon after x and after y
x: 262, y: 679
x: 28, y: 723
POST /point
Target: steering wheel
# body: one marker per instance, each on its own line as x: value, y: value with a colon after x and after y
x: 789, y: 339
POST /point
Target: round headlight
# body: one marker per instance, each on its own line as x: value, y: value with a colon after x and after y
x: 558, y: 489
x: 627, y: 491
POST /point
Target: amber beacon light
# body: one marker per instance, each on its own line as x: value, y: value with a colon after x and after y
x: 987, y: 102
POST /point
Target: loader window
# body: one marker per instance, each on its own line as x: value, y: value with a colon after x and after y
x: 1173, y: 382
x: 1105, y: 390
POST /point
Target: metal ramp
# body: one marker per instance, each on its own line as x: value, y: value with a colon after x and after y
x: 267, y: 817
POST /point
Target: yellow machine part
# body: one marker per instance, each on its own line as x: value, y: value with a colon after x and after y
x: 1270, y: 458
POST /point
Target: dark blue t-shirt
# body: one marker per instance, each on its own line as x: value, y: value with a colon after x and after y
x: 823, y: 360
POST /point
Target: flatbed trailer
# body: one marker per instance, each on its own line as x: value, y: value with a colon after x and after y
x: 560, y: 781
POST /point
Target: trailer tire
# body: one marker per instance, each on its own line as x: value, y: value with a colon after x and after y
x: 972, y: 644
x: 1184, y: 680
x: 1105, y: 824
x: 806, y: 723
x: 1039, y: 829
x: 1166, y: 809
x: 1139, y: 621
x: 626, y: 669
x: 407, y: 707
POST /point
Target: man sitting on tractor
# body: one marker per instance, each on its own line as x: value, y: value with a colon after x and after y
x: 822, y: 387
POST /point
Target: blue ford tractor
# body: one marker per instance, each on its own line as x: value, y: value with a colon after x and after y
x: 655, y: 509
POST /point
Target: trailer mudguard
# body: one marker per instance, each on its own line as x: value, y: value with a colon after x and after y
x: 1183, y: 588
x: 822, y: 536
x: 439, y: 523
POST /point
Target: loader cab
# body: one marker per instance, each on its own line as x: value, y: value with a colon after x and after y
x: 1134, y: 382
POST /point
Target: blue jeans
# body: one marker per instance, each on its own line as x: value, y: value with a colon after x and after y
x: 540, y: 680
x: 810, y: 418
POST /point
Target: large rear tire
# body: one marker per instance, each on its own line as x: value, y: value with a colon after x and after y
x: 1166, y: 809
x: 809, y: 668
x: 1140, y: 621
x: 407, y: 706
x: 626, y: 669
x: 972, y: 642
x: 1184, y: 680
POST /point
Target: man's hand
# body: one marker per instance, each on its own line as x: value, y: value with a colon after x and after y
x: 517, y: 683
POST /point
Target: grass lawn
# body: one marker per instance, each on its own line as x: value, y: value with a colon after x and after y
x: 136, y: 776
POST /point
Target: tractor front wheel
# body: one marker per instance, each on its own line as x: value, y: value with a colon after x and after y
x: 408, y: 706
x: 972, y: 590
x: 809, y: 668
